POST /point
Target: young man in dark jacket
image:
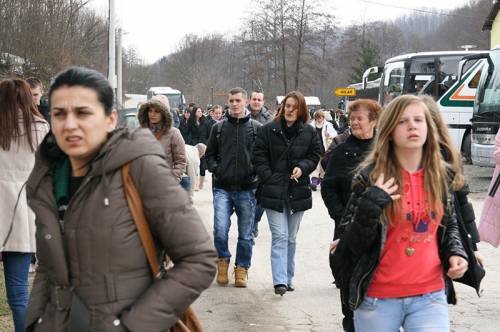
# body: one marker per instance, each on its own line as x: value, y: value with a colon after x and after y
x: 229, y: 158
x: 259, y: 113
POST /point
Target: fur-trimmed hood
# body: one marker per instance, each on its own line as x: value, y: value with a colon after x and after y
x: 142, y: 115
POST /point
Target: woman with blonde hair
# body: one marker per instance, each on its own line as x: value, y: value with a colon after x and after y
x: 465, y: 210
x: 400, y: 244
x: 22, y: 129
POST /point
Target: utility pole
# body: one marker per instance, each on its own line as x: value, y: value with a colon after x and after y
x: 111, y: 45
x: 119, y: 77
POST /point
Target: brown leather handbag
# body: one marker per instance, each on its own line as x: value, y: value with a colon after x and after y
x: 188, y: 322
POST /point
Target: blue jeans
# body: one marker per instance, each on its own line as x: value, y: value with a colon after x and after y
x: 243, y: 203
x: 185, y: 183
x: 423, y: 313
x: 16, y: 268
x: 284, y: 227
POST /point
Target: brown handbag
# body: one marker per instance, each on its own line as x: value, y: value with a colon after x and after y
x: 188, y: 322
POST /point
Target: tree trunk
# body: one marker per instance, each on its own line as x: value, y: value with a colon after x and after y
x: 300, y: 44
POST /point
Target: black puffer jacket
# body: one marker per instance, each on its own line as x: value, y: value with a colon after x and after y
x: 229, y: 154
x: 197, y: 133
x: 336, y: 186
x: 363, y: 236
x: 466, y: 214
x: 275, y: 157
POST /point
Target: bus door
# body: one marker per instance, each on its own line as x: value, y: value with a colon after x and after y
x: 456, y: 105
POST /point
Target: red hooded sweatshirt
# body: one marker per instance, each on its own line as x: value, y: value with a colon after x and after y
x: 410, y: 263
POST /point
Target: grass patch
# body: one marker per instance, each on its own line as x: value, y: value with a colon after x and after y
x: 4, y: 306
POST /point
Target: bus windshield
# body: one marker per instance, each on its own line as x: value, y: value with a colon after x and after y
x: 489, y: 97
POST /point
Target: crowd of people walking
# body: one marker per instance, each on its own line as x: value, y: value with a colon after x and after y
x: 390, y: 179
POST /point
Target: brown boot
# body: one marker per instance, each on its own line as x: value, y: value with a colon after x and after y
x: 240, y: 276
x: 222, y: 267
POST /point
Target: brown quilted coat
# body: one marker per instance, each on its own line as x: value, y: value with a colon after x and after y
x: 100, y: 253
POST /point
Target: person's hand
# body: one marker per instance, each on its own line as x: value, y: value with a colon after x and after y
x: 333, y: 245
x: 296, y: 173
x: 389, y: 186
x: 479, y: 258
x: 458, y: 266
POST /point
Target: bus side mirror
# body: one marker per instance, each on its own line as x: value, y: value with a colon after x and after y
x: 368, y: 72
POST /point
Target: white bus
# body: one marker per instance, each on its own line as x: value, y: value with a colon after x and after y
x: 436, y: 74
x: 175, y: 97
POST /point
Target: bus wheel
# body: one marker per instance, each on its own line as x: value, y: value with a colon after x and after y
x: 466, y: 149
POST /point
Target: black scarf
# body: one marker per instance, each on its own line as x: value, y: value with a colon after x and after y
x: 290, y: 132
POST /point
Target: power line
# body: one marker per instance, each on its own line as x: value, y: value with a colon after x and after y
x: 428, y: 11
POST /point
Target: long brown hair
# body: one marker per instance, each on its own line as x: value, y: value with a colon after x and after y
x: 450, y: 153
x: 302, y: 112
x: 17, y: 113
x: 384, y: 159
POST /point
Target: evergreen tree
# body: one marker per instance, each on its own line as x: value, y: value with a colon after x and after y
x: 368, y: 56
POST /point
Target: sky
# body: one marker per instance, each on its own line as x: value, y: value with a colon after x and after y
x: 156, y: 27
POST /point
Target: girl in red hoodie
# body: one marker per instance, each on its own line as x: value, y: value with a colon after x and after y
x: 409, y: 184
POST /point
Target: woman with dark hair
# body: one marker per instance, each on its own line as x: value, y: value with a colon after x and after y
x: 286, y: 151
x: 21, y: 131
x: 93, y: 272
x: 154, y: 115
x: 198, y: 130
x: 183, y: 126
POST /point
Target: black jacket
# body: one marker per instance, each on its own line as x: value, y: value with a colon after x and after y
x: 183, y: 127
x: 336, y: 185
x: 337, y: 140
x: 275, y: 157
x: 197, y: 133
x: 363, y: 234
x: 229, y: 154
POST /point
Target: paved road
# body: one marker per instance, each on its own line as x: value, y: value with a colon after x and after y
x: 315, y: 305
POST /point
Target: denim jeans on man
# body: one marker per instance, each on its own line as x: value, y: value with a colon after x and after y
x: 243, y: 203
x: 16, y: 268
x: 424, y: 313
x: 284, y: 227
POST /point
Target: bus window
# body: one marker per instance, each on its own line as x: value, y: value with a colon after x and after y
x: 474, y: 82
x: 393, y: 81
x: 447, y: 74
x: 422, y: 76
x: 422, y: 66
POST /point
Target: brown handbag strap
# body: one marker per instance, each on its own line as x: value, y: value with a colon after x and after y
x: 137, y: 211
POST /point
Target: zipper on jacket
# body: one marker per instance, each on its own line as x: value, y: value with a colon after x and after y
x: 237, y: 147
x: 358, y: 289
x: 84, y: 183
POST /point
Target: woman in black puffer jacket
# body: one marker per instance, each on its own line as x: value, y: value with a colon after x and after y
x: 345, y: 157
x: 198, y: 130
x: 286, y: 151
